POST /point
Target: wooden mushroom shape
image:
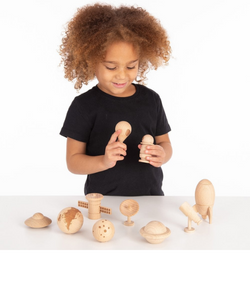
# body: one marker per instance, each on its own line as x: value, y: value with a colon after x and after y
x: 204, y: 198
x: 38, y: 220
x: 126, y: 130
x: 129, y: 208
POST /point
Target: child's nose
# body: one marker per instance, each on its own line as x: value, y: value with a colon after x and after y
x: 121, y: 74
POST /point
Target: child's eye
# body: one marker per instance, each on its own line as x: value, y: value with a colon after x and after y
x: 131, y: 68
x: 112, y: 69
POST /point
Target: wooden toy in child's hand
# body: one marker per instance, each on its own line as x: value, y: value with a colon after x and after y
x: 103, y: 230
x: 155, y: 232
x: 147, y: 140
x: 94, y: 206
x: 204, y: 198
x: 38, y: 220
x: 129, y: 208
x: 126, y: 130
x: 188, y: 210
x: 70, y: 220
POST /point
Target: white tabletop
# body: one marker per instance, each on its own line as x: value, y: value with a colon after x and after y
x: 229, y: 229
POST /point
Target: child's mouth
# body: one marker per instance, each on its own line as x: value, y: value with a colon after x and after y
x: 119, y: 85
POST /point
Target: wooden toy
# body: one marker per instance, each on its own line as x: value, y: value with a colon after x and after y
x: 188, y: 210
x: 126, y: 130
x: 146, y: 141
x: 129, y: 208
x: 70, y: 220
x: 94, y: 206
x: 155, y: 232
x: 204, y: 198
x: 38, y: 220
x: 103, y: 230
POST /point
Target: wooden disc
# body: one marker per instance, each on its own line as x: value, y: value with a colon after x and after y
x: 129, y: 207
x: 126, y: 130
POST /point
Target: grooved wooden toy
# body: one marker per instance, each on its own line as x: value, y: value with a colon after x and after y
x: 192, y: 215
x: 70, y: 220
x: 147, y: 140
x: 126, y: 130
x: 129, y: 208
x: 94, y: 206
x: 38, y: 220
x: 204, y: 198
x: 155, y: 232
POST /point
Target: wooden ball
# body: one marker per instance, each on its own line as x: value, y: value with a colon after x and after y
x: 70, y: 220
x: 103, y: 230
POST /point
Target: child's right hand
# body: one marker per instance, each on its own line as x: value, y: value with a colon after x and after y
x: 114, y: 151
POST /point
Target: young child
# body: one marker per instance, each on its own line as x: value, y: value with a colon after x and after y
x: 117, y: 46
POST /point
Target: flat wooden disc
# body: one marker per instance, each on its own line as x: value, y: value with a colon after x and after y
x: 129, y: 207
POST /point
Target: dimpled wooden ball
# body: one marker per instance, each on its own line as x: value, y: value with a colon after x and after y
x: 103, y: 230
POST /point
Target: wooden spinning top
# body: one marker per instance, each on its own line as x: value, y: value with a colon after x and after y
x: 129, y: 208
x: 126, y: 130
x: 38, y: 220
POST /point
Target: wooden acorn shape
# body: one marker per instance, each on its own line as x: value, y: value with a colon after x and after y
x: 146, y: 141
x: 204, y: 198
x: 38, y: 220
x: 155, y: 232
x: 129, y: 208
x: 126, y: 130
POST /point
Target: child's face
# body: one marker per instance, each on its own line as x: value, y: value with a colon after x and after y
x: 118, y: 70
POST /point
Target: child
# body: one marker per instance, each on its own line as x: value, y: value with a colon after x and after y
x: 117, y: 46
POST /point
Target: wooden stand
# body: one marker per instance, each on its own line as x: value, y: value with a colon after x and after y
x: 126, y: 130
x: 188, y: 210
x: 147, y: 140
x: 129, y: 208
x: 94, y: 206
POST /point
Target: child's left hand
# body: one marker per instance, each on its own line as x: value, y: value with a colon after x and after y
x: 158, y: 155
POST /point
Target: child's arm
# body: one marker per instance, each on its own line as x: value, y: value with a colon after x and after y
x: 79, y: 162
x: 161, y: 152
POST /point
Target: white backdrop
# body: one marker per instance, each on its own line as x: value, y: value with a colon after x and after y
x: 205, y: 92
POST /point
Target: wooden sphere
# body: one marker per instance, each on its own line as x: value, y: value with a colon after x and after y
x: 38, y: 220
x: 155, y: 232
x: 70, y: 220
x: 204, y: 193
x: 103, y: 230
x: 126, y: 130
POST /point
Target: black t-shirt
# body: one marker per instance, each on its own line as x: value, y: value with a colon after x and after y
x: 91, y: 119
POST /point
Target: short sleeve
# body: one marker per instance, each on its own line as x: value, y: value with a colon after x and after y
x: 77, y: 124
x: 162, y: 125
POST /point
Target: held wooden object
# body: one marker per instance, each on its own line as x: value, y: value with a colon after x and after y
x: 103, y: 230
x: 204, y: 198
x: 155, y: 232
x: 147, y: 140
x: 129, y: 208
x: 126, y: 130
x: 188, y: 210
x: 94, y: 206
x: 38, y: 220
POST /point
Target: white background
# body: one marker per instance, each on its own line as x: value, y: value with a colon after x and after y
x: 205, y: 92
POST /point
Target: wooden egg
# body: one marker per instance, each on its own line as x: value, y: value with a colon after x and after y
x: 38, y: 220
x: 155, y: 232
x: 103, y: 230
x: 204, y: 193
x: 70, y: 220
x: 126, y: 130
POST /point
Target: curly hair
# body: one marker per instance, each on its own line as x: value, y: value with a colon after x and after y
x: 95, y: 27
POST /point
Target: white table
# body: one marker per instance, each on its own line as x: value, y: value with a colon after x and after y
x: 228, y: 231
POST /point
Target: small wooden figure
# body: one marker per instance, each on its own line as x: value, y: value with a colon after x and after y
x: 103, y: 230
x: 188, y: 210
x: 147, y: 140
x: 126, y: 130
x: 204, y: 198
x: 38, y: 220
x: 94, y: 206
x: 155, y: 232
x: 129, y: 208
x: 70, y: 220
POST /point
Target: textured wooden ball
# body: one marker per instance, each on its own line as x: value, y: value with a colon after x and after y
x: 70, y: 220
x: 103, y: 230
x: 155, y: 232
